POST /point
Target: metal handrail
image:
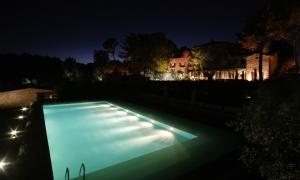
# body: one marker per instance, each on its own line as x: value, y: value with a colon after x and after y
x: 82, y: 167
x: 67, y: 174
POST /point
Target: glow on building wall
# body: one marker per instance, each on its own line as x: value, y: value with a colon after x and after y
x: 252, y: 67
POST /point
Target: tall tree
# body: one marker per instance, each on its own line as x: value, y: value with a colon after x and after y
x: 100, y: 62
x: 284, y: 52
x: 216, y: 55
x: 71, y: 70
x: 197, y: 59
x: 100, y: 57
x: 110, y: 46
x: 162, y: 64
x: 294, y: 26
x: 254, y: 37
x: 284, y: 23
x: 278, y: 20
x: 143, y: 50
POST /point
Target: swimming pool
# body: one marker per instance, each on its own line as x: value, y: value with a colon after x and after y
x: 101, y: 134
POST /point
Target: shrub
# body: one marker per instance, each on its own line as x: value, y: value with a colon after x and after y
x: 271, y: 126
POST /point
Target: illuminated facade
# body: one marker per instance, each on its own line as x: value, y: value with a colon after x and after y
x: 248, y: 72
x: 180, y: 64
x: 252, y: 66
x: 232, y: 73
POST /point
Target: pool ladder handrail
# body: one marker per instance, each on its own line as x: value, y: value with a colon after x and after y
x: 67, y: 174
x: 82, y: 167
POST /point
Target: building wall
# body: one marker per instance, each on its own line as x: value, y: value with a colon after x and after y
x: 232, y: 73
x: 179, y: 64
x: 273, y: 64
x: 22, y: 97
x: 252, y: 68
x: 250, y: 72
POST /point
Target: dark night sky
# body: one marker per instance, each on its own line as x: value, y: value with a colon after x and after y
x: 75, y: 29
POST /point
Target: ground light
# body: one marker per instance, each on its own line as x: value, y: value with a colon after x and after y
x: 21, y: 117
x: 24, y: 109
x: 3, y: 164
x: 13, y: 133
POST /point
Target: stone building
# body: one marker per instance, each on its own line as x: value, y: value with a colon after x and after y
x: 180, y: 64
x: 248, y: 72
x: 236, y: 64
x: 269, y: 64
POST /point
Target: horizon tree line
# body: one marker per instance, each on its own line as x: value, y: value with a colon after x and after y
x: 272, y: 30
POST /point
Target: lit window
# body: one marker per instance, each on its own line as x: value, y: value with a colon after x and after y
x: 172, y: 66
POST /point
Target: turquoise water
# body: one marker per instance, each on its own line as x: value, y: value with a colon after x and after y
x: 101, y: 134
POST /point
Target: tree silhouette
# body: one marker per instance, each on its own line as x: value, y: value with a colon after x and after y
x: 197, y: 59
x: 100, y: 62
x: 278, y: 20
x: 284, y: 23
x: 216, y: 55
x: 35, y: 69
x: 71, y: 70
x: 284, y: 51
x: 254, y: 37
x: 110, y: 46
x: 100, y: 57
x: 147, y: 51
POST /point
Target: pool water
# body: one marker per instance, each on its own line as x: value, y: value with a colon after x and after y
x: 101, y: 134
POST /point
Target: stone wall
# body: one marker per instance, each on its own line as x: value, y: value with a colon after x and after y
x: 234, y: 73
x: 21, y: 97
x: 178, y: 64
x: 252, y: 67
